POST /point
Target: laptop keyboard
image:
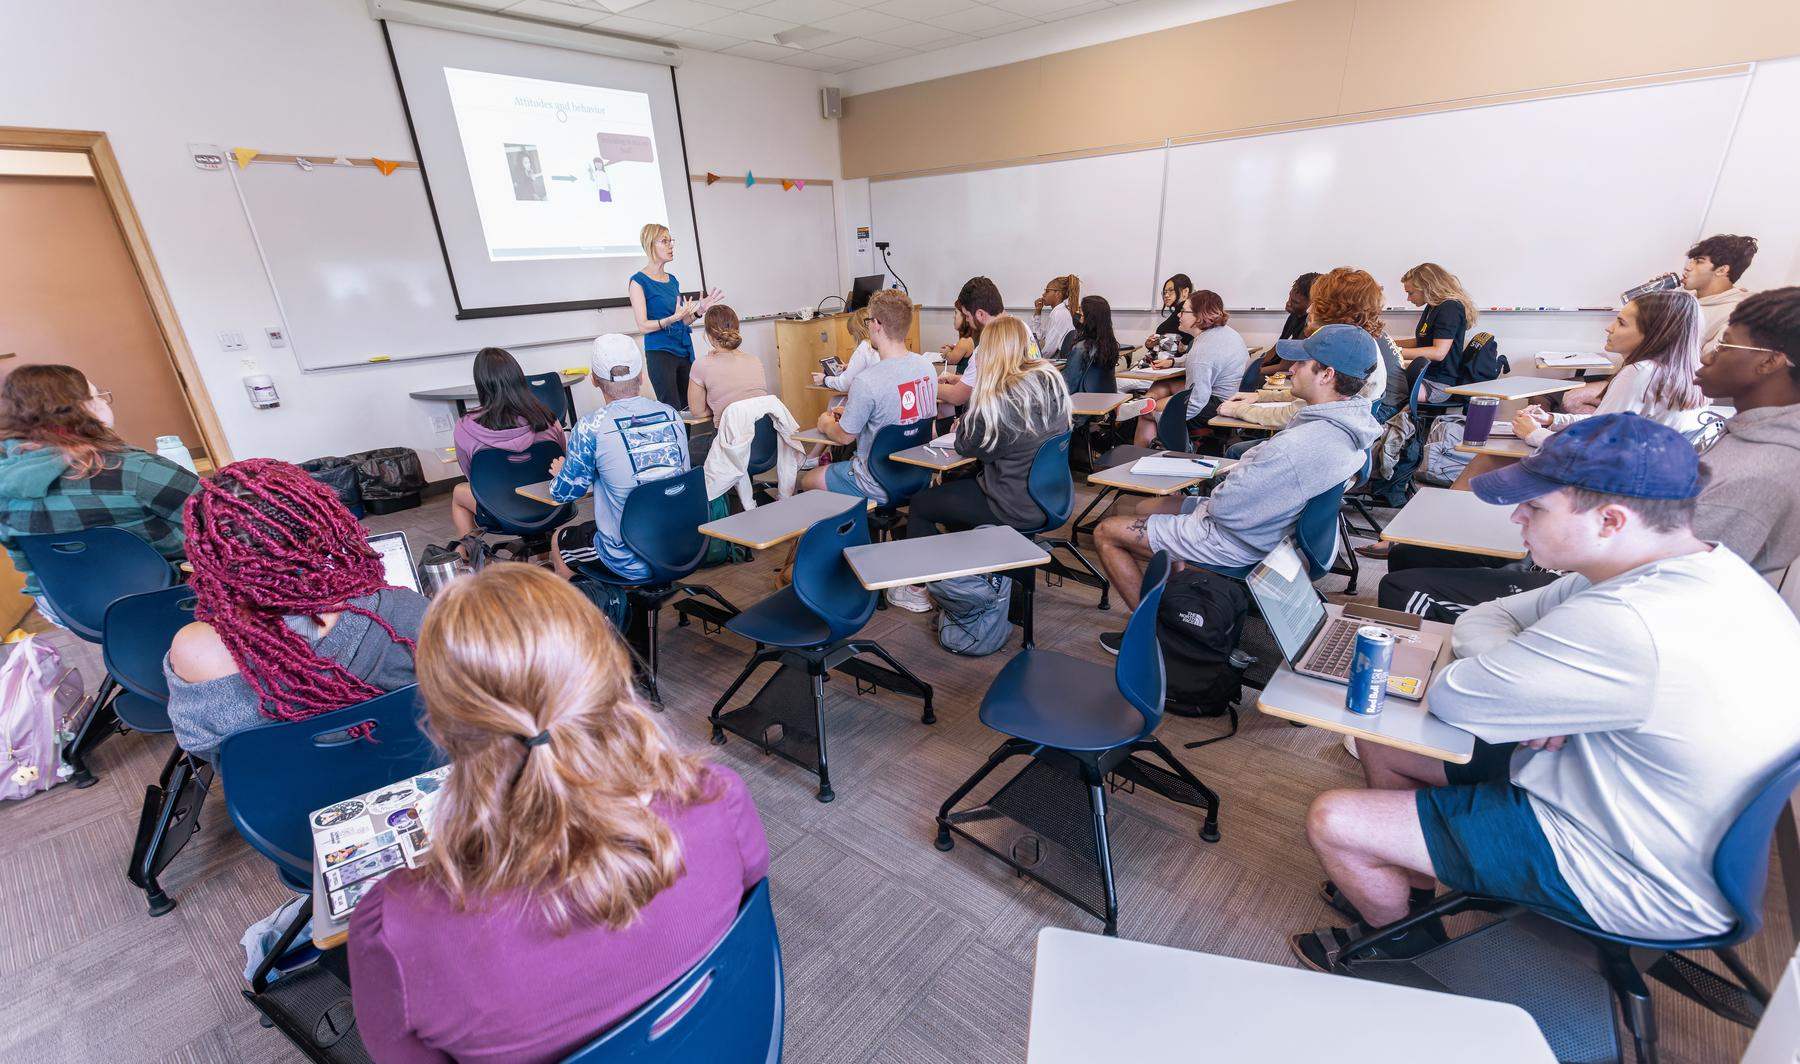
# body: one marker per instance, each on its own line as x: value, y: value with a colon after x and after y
x: 1332, y: 651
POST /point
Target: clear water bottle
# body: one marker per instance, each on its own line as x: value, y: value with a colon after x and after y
x: 174, y: 450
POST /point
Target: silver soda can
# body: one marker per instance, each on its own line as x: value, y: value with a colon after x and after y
x: 1369, y: 669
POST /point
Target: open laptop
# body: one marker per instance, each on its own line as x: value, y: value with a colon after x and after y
x: 1318, y: 640
x: 397, y: 559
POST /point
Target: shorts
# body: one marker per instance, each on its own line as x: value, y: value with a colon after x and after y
x: 586, y: 558
x: 1207, y: 411
x: 1489, y: 762
x: 1484, y: 839
x: 841, y: 478
x: 1174, y: 532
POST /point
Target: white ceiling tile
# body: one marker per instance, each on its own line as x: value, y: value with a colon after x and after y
x: 983, y: 20
x: 617, y: 7
x: 773, y: 53
x: 1040, y: 8
x: 802, y: 11
x: 683, y: 13
x: 923, y: 10
x: 864, y: 50
x: 632, y: 27
x: 748, y: 26
x: 918, y: 35
x: 733, y: 5
x: 491, y: 5
x: 552, y: 12
x: 861, y: 23
x: 816, y: 61
x: 701, y: 39
x: 1079, y: 9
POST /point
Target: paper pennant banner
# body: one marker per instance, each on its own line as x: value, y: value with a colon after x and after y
x: 244, y: 155
x: 800, y: 183
x: 711, y: 177
x: 749, y: 179
x: 341, y: 161
x: 303, y: 162
x: 787, y: 185
x: 384, y: 166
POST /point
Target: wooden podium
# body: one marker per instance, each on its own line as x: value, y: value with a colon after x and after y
x: 799, y: 345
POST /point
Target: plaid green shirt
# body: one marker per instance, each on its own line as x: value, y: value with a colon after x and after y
x: 138, y: 492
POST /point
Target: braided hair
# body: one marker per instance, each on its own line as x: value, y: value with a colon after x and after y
x: 1772, y: 318
x: 268, y: 542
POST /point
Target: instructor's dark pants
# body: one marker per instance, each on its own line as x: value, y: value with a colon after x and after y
x: 669, y: 377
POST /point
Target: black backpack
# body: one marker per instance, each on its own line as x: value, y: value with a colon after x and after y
x: 1199, y: 624
x: 1482, y: 360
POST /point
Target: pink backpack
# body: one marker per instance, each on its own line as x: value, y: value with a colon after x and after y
x: 39, y: 699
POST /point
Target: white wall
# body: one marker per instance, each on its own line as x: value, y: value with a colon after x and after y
x: 313, y: 76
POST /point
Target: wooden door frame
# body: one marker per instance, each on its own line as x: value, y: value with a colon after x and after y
x: 137, y: 244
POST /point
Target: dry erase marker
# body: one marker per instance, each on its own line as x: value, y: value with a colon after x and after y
x: 379, y: 358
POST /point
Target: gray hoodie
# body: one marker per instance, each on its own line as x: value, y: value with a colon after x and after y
x: 1261, y: 498
x: 1752, y: 502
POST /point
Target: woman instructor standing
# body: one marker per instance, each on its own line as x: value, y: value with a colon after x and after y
x: 664, y: 317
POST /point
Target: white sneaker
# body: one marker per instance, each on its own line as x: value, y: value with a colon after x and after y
x: 913, y: 598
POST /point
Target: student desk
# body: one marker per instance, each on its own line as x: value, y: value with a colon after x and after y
x: 1095, y: 404
x: 1401, y: 723
x: 931, y: 458
x: 1151, y: 374
x: 1120, y: 479
x: 539, y: 492
x: 1586, y: 369
x: 1223, y: 422
x: 1498, y: 446
x: 1514, y: 391
x: 464, y: 394
x: 1099, y: 998
x: 993, y: 549
x: 813, y: 435
x: 1456, y: 520
x: 775, y: 523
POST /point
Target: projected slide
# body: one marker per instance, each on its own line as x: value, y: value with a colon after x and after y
x: 560, y: 171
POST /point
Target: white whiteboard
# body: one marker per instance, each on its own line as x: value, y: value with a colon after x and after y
x: 1550, y: 203
x: 1023, y: 225
x: 768, y: 249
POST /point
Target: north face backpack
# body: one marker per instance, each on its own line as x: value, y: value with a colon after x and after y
x: 1199, y: 624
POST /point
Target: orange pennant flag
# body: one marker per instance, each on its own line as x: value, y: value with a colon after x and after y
x: 711, y: 177
x: 787, y: 185
x: 384, y: 166
x: 244, y: 155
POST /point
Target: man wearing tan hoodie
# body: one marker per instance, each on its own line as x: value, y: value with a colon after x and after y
x: 1714, y: 266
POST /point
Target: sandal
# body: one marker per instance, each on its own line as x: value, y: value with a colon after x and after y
x: 1335, y: 899
x: 1320, y: 949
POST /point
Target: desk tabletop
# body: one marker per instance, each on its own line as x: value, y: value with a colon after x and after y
x: 1498, y: 446
x: 1099, y: 998
x: 466, y: 392
x: 1121, y: 477
x: 1237, y: 423
x: 1456, y: 520
x: 1095, y: 404
x: 539, y: 492
x: 1401, y: 723
x: 806, y: 436
x: 1516, y: 386
x: 774, y: 523
x: 1598, y: 366
x: 900, y: 562
x: 931, y: 458
x: 1152, y: 374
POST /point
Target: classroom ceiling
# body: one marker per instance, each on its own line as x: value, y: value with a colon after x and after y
x: 827, y: 35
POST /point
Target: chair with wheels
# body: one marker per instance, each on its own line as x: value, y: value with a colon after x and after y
x: 274, y: 777
x: 81, y: 573
x: 494, y: 477
x: 1080, y: 724
x: 548, y: 387
x: 729, y: 1007
x: 661, y: 525
x: 1576, y: 1016
x: 899, y: 481
x: 137, y: 632
x: 809, y: 629
x: 1052, y: 487
x: 1171, y: 435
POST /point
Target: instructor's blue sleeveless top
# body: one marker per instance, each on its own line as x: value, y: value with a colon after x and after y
x: 660, y: 299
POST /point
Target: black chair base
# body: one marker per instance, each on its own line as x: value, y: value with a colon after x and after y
x: 786, y: 716
x: 312, y: 1007
x: 98, y: 724
x: 643, y: 634
x: 1049, y: 821
x: 1059, y: 571
x: 170, y: 817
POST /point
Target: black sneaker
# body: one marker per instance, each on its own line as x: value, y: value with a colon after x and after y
x: 1109, y: 642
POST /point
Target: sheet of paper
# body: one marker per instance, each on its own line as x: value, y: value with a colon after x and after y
x: 1160, y: 466
x: 1503, y: 428
x: 1284, y: 560
x: 1574, y: 358
x: 946, y: 442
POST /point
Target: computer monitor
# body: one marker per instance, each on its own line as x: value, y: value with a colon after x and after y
x: 396, y: 558
x: 863, y: 288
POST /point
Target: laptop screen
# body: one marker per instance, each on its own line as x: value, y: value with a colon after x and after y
x: 1288, y: 601
x: 396, y: 558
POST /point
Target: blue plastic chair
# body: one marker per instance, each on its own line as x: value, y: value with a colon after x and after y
x: 898, y: 480
x: 81, y: 573
x: 763, y: 447
x: 811, y: 625
x: 275, y: 776
x: 548, y: 387
x: 1075, y: 718
x: 1741, y: 871
x: 729, y: 1007
x: 1051, y: 487
x: 661, y: 525
x: 136, y: 635
x: 1315, y: 534
x: 494, y: 476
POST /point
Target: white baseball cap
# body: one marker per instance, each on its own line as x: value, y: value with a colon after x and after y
x: 616, y: 358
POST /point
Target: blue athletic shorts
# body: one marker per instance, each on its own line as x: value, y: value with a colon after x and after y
x: 1484, y: 839
x: 839, y: 478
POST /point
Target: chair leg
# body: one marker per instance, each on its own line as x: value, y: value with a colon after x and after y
x: 818, y: 690
x: 1080, y: 525
x: 1349, y: 554
x: 1751, y: 984
x: 1005, y: 750
x: 154, y: 824
x: 1634, y: 1001
x: 1209, y: 831
x: 708, y: 591
x: 259, y: 979
x: 869, y: 646
x: 99, y: 722
x: 653, y: 630
x: 1103, y: 850
x: 1105, y: 585
x: 1028, y: 591
x: 756, y: 661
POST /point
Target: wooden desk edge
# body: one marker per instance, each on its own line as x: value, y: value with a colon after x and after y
x: 1458, y: 548
x: 1470, y: 390
x: 961, y: 460
x: 752, y: 544
x: 1372, y: 736
x: 1145, y: 489
x: 885, y: 584
x: 333, y: 941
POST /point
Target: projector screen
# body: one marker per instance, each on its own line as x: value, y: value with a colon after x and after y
x: 542, y: 166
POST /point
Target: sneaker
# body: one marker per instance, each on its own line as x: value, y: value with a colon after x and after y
x: 1109, y: 642
x: 913, y: 599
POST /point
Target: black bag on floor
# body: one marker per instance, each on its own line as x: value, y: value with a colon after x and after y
x: 390, y: 478
x: 338, y: 474
x: 1199, y: 624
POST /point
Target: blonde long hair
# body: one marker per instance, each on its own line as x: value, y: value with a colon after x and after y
x: 1439, y: 285
x: 1012, y: 388
x: 554, y: 762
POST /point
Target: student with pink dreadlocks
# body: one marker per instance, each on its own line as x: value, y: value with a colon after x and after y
x: 293, y: 617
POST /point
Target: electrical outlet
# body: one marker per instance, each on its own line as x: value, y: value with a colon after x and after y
x: 440, y: 423
x: 277, y: 336
x: 232, y: 340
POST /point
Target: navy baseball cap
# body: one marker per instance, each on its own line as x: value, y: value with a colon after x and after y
x: 1345, y: 348
x: 1615, y: 454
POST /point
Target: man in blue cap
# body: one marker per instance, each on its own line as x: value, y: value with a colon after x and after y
x: 1261, y: 498
x: 1624, y: 714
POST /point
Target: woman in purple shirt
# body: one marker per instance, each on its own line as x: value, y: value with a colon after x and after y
x: 580, y: 863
